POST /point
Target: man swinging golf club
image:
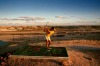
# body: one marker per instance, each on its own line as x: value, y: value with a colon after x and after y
x: 49, y: 32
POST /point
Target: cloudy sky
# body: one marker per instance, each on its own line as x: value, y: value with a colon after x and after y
x: 55, y: 12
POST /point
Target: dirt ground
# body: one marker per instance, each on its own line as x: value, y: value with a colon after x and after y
x: 79, y: 55
x: 83, y: 50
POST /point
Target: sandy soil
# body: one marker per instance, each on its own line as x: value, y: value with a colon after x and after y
x: 79, y: 55
x: 83, y: 50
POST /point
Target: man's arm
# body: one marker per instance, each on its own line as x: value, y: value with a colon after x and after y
x: 46, y: 30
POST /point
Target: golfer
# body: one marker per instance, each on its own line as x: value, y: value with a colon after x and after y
x: 49, y: 32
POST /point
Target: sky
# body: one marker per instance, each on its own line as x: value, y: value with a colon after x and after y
x: 50, y: 12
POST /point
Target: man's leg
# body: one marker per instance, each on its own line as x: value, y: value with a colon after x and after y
x: 47, y: 43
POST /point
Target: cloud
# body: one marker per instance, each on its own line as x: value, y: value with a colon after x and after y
x: 4, y: 19
x: 82, y: 18
x: 10, y: 19
x: 32, y: 18
x: 72, y: 16
x: 88, y: 22
x: 98, y: 18
x: 24, y: 18
x: 62, y: 17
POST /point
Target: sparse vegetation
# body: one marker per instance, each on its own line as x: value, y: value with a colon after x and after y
x: 41, y: 51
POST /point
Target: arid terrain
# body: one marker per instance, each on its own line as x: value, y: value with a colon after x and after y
x: 82, y: 44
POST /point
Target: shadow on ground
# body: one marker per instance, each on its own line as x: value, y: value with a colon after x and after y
x: 90, y: 52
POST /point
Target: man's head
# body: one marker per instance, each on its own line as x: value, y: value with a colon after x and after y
x: 52, y: 29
